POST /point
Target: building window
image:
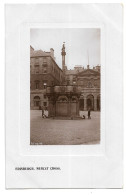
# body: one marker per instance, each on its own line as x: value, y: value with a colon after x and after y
x: 36, y: 69
x: 45, y: 70
x: 36, y: 101
x: 44, y: 65
x: 36, y: 61
x: 90, y: 85
x: 44, y: 96
x: 36, y: 84
x: 68, y: 82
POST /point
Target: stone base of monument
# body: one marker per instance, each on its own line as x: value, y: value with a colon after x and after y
x: 66, y: 117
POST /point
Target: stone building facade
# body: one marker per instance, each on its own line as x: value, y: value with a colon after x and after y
x: 88, y: 81
x: 43, y: 72
x: 64, y: 92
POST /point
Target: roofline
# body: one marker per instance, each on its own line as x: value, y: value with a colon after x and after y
x: 88, y: 69
x: 39, y: 56
x: 47, y: 56
x: 56, y: 63
x: 31, y: 47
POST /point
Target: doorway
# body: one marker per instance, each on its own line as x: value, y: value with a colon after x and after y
x: 90, y: 102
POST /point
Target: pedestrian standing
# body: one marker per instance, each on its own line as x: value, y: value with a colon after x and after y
x: 42, y: 112
x: 89, y: 112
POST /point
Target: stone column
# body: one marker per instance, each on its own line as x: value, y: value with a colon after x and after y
x: 95, y: 103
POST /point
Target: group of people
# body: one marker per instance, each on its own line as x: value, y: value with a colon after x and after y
x: 89, y: 114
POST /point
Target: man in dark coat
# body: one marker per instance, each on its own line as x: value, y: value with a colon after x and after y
x: 89, y: 112
x: 42, y: 112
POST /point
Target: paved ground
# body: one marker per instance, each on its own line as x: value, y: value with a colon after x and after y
x: 65, y: 132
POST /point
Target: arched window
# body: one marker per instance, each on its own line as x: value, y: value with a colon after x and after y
x: 36, y: 101
x: 90, y: 85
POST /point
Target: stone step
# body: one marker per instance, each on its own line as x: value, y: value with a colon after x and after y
x: 67, y: 118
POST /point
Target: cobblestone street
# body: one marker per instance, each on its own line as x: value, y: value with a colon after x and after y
x: 65, y: 132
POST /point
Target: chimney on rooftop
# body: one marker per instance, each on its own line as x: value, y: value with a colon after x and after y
x: 52, y: 52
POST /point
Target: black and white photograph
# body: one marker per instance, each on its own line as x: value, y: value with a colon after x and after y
x: 65, y: 86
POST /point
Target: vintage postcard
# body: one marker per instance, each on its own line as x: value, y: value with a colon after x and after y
x: 64, y: 116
